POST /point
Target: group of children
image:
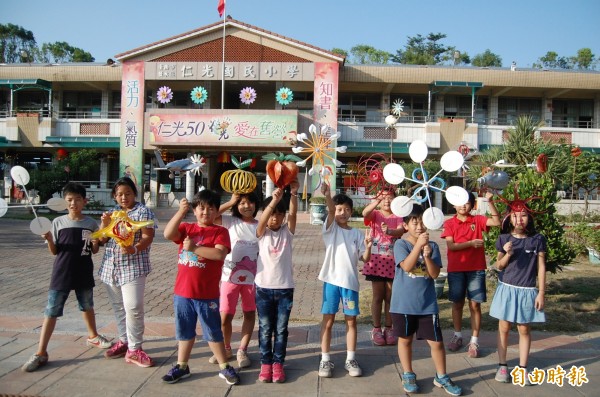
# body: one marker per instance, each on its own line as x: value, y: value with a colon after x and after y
x: 223, y: 258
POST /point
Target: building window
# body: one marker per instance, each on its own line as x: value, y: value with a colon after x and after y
x: 510, y: 109
x: 359, y: 107
x: 414, y: 109
x: 573, y: 113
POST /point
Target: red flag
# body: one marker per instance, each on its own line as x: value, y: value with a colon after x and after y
x: 221, y: 7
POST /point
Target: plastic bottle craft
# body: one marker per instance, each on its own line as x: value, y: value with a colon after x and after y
x: 433, y: 217
x: 238, y: 180
x: 121, y: 228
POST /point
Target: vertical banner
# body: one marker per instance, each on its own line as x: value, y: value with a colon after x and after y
x: 326, y: 110
x: 132, y: 123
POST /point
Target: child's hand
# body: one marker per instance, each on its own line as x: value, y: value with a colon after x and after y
x: 384, y: 228
x: 427, y: 251
x: 184, y: 205
x: 508, y: 248
x: 277, y: 195
x: 368, y: 238
x: 477, y: 243
x: 325, y: 189
x: 489, y: 194
x: 105, y: 219
x: 188, y: 244
x: 235, y: 197
x: 422, y: 240
x: 47, y: 236
x: 539, y: 302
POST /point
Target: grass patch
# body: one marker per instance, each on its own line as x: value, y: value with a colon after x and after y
x: 572, y: 302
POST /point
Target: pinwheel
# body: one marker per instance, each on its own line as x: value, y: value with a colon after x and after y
x: 318, y: 147
x: 121, y: 228
x: 401, y: 206
x: 369, y: 173
x: 284, y: 96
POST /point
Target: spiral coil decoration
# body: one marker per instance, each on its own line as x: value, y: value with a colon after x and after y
x: 238, y: 181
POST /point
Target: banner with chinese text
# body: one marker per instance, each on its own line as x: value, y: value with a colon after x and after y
x: 132, y: 122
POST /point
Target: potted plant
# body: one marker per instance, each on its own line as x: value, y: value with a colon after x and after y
x: 318, y: 210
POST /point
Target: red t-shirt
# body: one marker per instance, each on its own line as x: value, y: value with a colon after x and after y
x: 197, y: 277
x: 468, y: 259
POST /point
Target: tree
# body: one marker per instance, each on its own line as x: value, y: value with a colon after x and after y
x: 364, y: 54
x: 340, y: 51
x: 421, y: 50
x: 585, y: 175
x: 61, y: 52
x: 487, y: 59
x: 584, y: 58
x: 16, y: 44
x: 521, y: 147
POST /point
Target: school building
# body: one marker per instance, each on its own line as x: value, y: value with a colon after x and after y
x: 50, y: 110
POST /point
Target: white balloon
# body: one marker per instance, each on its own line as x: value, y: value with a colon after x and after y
x: 452, y: 161
x: 40, y: 225
x: 57, y: 204
x: 418, y: 151
x: 456, y: 195
x: 393, y: 173
x: 402, y: 206
x: 19, y: 175
x: 3, y: 207
x: 433, y: 218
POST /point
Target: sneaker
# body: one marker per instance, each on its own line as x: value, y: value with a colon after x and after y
x: 502, y: 374
x: 451, y: 388
x: 377, y: 337
x: 213, y: 358
x: 353, y: 368
x: 34, y: 363
x: 455, y: 343
x: 99, y: 341
x: 278, y: 374
x: 266, y: 373
x: 325, y: 369
x: 230, y: 376
x: 242, y: 359
x: 176, y: 373
x: 117, y: 350
x: 473, y: 351
x: 409, y: 382
x: 390, y: 338
x: 139, y: 358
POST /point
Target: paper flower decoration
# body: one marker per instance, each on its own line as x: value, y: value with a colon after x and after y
x: 164, y: 94
x: 199, y: 95
x: 248, y: 95
x: 369, y: 173
x: 121, y: 228
x: 284, y: 96
x: 398, y: 107
x: 318, y: 145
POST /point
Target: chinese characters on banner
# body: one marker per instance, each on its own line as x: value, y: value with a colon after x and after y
x: 239, y: 71
x: 325, y: 109
x: 132, y: 122
x: 224, y: 129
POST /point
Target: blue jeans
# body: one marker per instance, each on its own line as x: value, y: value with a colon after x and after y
x: 274, y: 307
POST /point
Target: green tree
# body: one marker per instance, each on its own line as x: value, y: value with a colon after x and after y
x: 16, y: 44
x: 340, y: 51
x: 585, y: 175
x: 584, y: 58
x: 487, y: 59
x: 364, y: 54
x: 520, y: 150
x: 62, y: 52
x: 420, y: 50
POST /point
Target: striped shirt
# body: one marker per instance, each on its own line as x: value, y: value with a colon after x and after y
x: 118, y: 268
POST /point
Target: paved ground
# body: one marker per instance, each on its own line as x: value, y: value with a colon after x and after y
x: 76, y: 370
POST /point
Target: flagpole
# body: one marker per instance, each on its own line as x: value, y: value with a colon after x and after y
x: 223, y: 66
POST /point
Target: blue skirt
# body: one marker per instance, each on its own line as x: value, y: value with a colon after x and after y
x: 516, y: 305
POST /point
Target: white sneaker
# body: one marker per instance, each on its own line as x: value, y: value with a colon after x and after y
x: 242, y: 359
x: 325, y: 369
x: 100, y: 341
x: 353, y: 368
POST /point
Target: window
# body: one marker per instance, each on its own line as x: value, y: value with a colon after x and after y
x: 509, y: 109
x: 572, y: 113
x: 415, y: 107
x: 359, y: 107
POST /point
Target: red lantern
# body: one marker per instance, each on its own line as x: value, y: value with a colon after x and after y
x: 576, y: 151
x: 61, y: 154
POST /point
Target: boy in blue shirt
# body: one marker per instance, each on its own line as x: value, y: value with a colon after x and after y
x: 414, y: 307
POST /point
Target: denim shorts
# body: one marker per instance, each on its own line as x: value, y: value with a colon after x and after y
x: 187, y: 313
x: 469, y: 284
x: 57, y: 299
x: 332, y: 294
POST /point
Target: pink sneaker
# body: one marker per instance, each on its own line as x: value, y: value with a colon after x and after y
x: 139, y: 358
x: 377, y: 337
x: 266, y: 373
x: 390, y: 338
x: 455, y: 343
x: 278, y: 374
x: 473, y: 351
x: 117, y: 350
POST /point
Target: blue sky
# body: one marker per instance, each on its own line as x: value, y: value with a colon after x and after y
x: 516, y: 30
